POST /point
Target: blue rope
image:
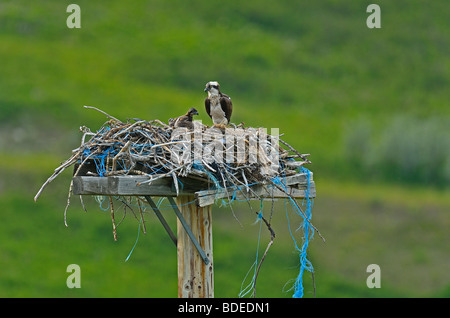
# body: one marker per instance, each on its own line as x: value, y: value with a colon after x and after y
x: 100, y: 200
x: 199, y: 166
x: 135, y: 243
x: 305, y: 264
x: 158, y: 204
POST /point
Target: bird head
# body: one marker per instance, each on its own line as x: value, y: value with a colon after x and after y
x: 213, y: 88
x: 192, y: 111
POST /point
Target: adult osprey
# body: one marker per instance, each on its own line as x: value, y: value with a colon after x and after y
x: 218, y: 105
x: 185, y: 120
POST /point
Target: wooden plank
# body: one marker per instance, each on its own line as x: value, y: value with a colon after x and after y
x: 295, y: 185
x: 136, y: 185
x: 195, y: 278
x: 139, y: 185
x: 123, y: 185
x: 207, y: 197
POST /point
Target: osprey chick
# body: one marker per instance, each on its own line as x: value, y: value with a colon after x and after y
x: 185, y: 120
x: 218, y: 105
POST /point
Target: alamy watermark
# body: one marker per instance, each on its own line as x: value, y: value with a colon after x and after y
x: 74, y: 279
x: 226, y: 145
x: 374, y: 279
x: 74, y: 19
x: 373, y: 21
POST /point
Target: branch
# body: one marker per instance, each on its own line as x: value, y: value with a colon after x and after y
x: 272, y: 237
x: 295, y: 151
x: 101, y: 111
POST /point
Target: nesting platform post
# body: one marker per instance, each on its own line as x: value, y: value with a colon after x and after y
x: 195, y: 277
x: 193, y: 206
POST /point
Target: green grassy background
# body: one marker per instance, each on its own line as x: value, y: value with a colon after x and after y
x: 370, y: 105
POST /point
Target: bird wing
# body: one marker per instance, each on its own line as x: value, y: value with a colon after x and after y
x: 227, y: 106
x: 208, y: 106
x: 183, y: 121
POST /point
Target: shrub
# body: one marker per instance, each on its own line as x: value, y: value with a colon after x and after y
x: 407, y: 149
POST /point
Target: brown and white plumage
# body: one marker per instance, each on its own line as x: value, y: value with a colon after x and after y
x: 218, y: 105
x: 185, y: 120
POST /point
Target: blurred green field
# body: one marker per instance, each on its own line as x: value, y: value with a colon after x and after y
x: 371, y: 106
x: 405, y: 231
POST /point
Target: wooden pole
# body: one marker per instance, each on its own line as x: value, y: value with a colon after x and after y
x: 195, y: 278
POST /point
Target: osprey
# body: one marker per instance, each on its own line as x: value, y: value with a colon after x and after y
x: 218, y: 105
x: 185, y: 120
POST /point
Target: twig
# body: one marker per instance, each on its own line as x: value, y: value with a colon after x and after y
x: 58, y: 170
x: 170, y: 143
x: 295, y: 151
x: 68, y: 203
x: 82, y: 204
x: 101, y: 111
x: 124, y: 149
x: 158, y: 177
x: 272, y: 237
x: 112, y: 218
x: 142, y: 216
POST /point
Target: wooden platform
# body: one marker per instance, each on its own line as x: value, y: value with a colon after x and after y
x: 194, y: 222
x: 202, y: 191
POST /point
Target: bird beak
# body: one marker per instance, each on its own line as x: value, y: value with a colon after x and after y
x: 196, y: 113
x: 207, y: 88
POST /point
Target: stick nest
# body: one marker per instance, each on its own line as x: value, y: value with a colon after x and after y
x: 221, y: 156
